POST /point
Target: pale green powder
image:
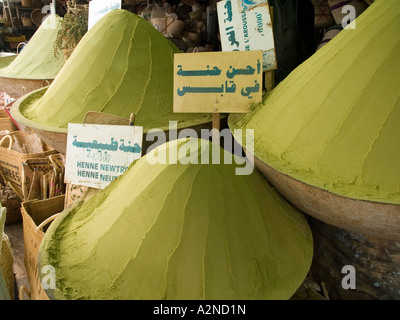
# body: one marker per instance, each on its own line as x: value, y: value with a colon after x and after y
x: 122, y: 65
x: 334, y: 122
x: 5, y: 61
x: 36, y: 60
x: 175, y: 231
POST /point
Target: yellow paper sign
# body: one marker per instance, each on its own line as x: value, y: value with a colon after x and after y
x: 217, y: 82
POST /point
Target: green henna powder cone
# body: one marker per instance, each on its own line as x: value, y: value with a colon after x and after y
x: 333, y: 123
x: 5, y: 61
x: 36, y: 60
x: 179, y: 231
x: 122, y: 65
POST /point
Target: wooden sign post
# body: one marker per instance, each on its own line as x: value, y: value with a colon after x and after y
x: 217, y: 82
x: 216, y: 128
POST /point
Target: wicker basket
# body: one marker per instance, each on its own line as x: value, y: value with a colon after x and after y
x: 37, y: 16
x: 323, y: 14
x: 26, y: 3
x: 6, y: 265
x: 36, y: 217
x: 169, y: 26
x: 12, y: 203
x: 197, y: 13
x: 6, y: 124
x: 336, y: 8
x: 194, y: 35
x: 26, y: 20
x: 15, y: 149
x: 376, y: 263
x: 44, y: 177
x: 329, y: 35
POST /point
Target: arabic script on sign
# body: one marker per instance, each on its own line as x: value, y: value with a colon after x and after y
x: 98, y: 154
x: 246, y: 25
x: 230, y: 84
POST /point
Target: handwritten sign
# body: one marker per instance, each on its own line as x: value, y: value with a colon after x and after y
x: 246, y: 25
x: 97, y: 154
x: 98, y: 8
x: 249, y: 4
x: 217, y: 82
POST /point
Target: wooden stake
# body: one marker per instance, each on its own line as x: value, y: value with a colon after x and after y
x: 325, y: 291
x: 31, y: 189
x: 41, y: 184
x: 215, y: 125
x: 269, y: 80
x: 44, y: 186
x: 132, y: 119
x: 61, y: 181
x: 25, y: 190
x: 52, y: 184
x: 15, y: 190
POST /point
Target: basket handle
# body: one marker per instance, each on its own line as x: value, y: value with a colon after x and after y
x: 19, y: 44
x: 167, y: 25
x: 48, y: 220
x: 45, y: 83
x: 23, y: 289
x: 13, y: 188
x: 4, y: 139
x: 55, y: 163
